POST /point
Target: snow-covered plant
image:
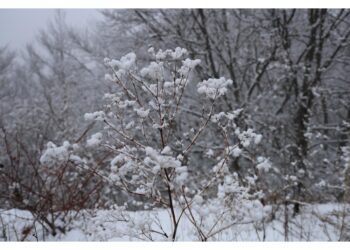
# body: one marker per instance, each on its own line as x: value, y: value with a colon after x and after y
x: 58, y: 189
x: 153, y: 155
x: 154, y: 158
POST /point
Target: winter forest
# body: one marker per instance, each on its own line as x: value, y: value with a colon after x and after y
x: 178, y: 125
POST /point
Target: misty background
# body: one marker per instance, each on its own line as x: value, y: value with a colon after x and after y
x: 20, y: 26
x: 230, y: 116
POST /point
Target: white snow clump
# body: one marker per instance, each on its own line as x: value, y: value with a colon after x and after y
x: 213, y: 88
x: 95, y: 116
x: 94, y: 140
x: 53, y: 154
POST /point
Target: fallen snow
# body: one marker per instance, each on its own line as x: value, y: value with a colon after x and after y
x: 321, y: 222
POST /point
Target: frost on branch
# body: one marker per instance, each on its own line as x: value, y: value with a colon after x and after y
x: 346, y: 157
x: 56, y: 155
x: 248, y: 136
x: 188, y: 65
x: 123, y: 65
x: 226, y: 118
x: 154, y: 70
x: 96, y: 116
x: 141, y: 172
x: 94, y: 140
x: 142, y: 112
x: 53, y: 154
x: 176, y: 54
x: 161, y: 161
x: 263, y: 164
x: 164, y: 160
x: 230, y: 188
x: 234, y: 151
x: 121, y: 165
x: 213, y: 88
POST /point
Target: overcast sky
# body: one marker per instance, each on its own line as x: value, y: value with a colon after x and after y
x: 19, y: 26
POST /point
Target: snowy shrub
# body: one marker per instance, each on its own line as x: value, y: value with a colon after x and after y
x: 155, y: 161
x: 53, y: 187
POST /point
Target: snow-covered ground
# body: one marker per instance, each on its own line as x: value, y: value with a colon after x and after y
x: 325, y: 222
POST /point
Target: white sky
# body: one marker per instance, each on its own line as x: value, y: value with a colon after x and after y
x: 19, y: 26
